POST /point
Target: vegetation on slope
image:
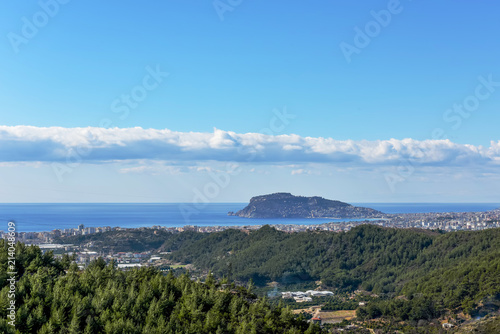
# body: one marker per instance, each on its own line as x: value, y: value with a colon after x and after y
x: 455, y: 270
x: 53, y: 296
x: 421, y: 274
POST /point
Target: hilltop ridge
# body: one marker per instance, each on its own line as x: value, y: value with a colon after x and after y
x: 286, y: 205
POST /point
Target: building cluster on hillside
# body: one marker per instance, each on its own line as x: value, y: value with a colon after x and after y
x: 447, y: 221
x: 124, y: 260
x: 49, y: 236
x: 301, y: 297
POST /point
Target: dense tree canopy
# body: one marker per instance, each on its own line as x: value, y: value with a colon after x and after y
x: 420, y: 274
x: 55, y: 297
x: 456, y: 270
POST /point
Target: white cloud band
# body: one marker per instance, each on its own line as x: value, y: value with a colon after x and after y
x: 28, y: 143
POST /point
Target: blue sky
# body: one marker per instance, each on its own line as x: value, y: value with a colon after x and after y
x: 357, y: 126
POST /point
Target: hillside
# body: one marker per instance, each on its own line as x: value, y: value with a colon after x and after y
x: 487, y: 325
x: 457, y: 270
x: 286, y: 205
x: 363, y: 255
x: 53, y: 296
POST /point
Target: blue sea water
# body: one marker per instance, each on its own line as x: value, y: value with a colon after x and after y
x: 46, y: 217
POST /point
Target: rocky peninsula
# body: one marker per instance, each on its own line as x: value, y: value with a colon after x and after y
x: 286, y: 205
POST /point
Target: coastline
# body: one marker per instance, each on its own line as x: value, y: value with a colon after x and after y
x: 47, y: 217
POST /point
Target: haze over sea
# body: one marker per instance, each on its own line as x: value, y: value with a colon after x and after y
x: 46, y: 217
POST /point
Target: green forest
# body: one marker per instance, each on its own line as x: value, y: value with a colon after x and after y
x: 453, y: 270
x: 417, y: 275
x: 53, y: 296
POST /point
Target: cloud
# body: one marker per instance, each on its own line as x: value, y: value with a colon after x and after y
x: 154, y: 169
x: 298, y: 171
x: 101, y: 145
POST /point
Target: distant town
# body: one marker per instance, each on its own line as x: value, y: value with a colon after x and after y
x: 444, y: 221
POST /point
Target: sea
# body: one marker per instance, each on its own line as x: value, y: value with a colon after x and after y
x: 49, y: 216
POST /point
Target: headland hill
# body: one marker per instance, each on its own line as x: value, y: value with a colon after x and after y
x: 286, y: 205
